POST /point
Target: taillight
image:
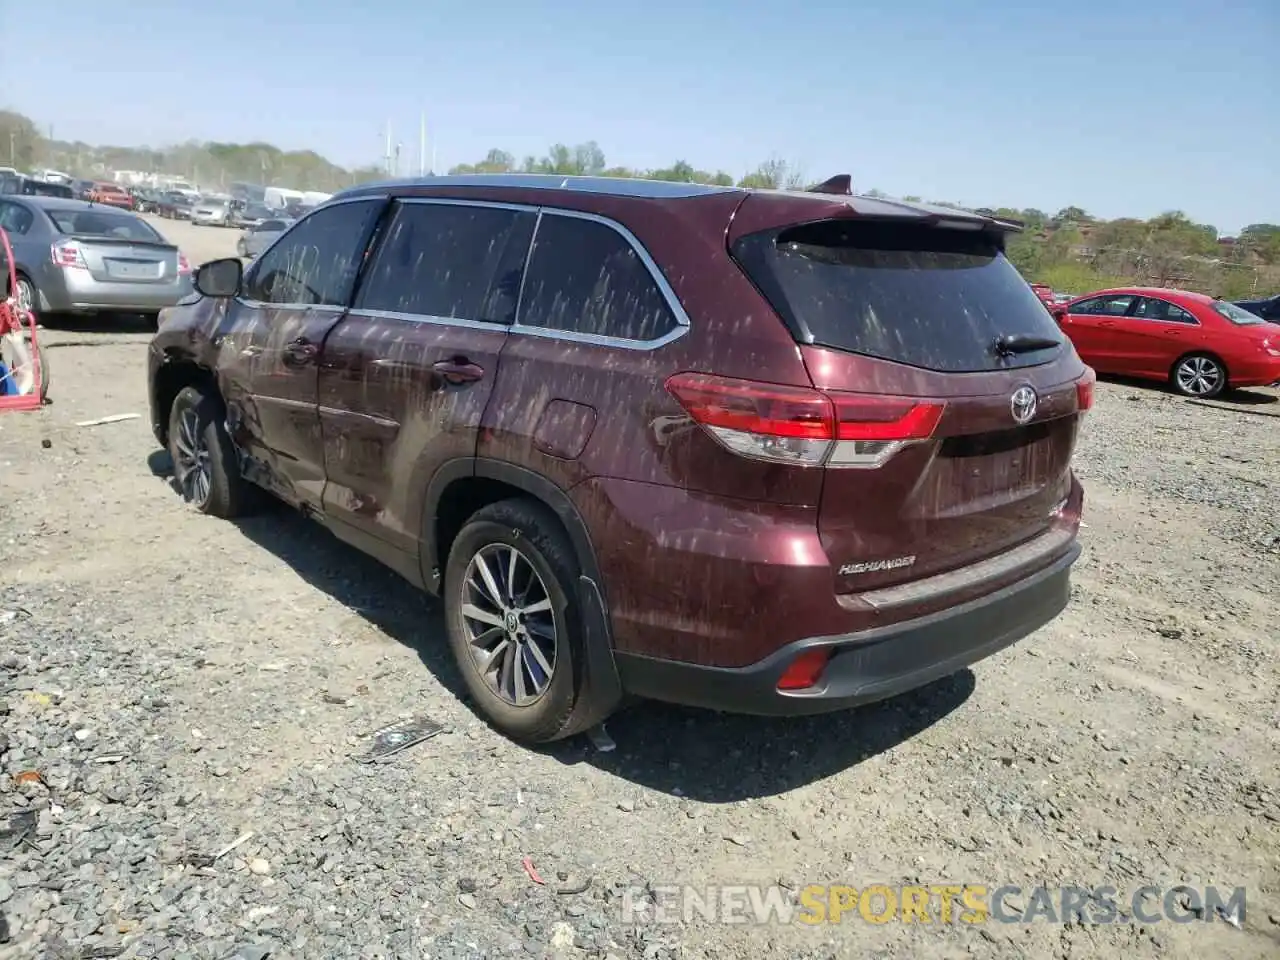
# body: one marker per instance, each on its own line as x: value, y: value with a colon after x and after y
x: 67, y: 253
x: 1084, y: 391
x: 805, y: 670
x: 800, y: 425
x: 184, y: 265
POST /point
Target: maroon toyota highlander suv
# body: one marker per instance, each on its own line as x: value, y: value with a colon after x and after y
x: 759, y: 451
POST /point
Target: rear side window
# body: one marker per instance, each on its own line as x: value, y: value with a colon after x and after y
x: 585, y: 277
x: 316, y: 262
x: 932, y: 298
x: 98, y: 223
x: 15, y: 219
x: 450, y: 260
x: 1153, y: 308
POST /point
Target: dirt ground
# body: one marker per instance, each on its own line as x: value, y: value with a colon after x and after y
x: 226, y: 673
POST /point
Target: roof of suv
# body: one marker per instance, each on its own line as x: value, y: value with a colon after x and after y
x: 668, y: 190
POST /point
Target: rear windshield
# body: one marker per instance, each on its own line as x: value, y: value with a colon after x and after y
x: 1237, y: 315
x: 97, y: 223
x: 932, y: 298
x: 39, y: 188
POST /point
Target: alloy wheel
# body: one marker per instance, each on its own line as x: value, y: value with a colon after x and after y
x: 192, y: 464
x: 1199, y: 376
x: 510, y: 626
x: 26, y: 296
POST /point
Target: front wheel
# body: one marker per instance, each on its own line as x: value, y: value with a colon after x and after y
x: 1199, y: 375
x: 513, y: 619
x: 205, y: 466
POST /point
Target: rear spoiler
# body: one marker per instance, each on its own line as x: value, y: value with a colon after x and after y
x: 834, y: 197
x: 99, y: 238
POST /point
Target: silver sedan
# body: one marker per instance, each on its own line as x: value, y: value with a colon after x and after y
x: 212, y: 212
x: 77, y: 257
x: 254, y: 239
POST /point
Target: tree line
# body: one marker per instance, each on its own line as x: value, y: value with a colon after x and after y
x: 1070, y: 249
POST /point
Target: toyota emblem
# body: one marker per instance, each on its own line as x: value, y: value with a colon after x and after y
x: 1023, y: 404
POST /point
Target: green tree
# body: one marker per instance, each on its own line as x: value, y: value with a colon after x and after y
x: 20, y: 141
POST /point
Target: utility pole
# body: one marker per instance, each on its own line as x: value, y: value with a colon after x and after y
x: 396, y: 173
x: 422, y: 145
x: 386, y: 157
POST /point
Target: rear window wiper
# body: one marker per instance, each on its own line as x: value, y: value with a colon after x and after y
x: 1008, y: 344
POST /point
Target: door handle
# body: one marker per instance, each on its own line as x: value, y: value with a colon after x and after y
x: 300, y: 352
x: 1106, y: 323
x: 459, y: 370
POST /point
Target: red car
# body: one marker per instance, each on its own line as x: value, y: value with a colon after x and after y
x: 111, y: 195
x: 1044, y: 292
x: 769, y: 452
x: 1200, y: 345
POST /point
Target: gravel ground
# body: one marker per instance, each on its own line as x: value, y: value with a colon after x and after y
x: 170, y: 684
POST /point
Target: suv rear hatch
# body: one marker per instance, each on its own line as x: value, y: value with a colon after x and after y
x: 955, y: 396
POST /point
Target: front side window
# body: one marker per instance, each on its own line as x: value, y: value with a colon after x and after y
x: 1103, y: 306
x: 450, y: 260
x: 316, y: 262
x: 585, y: 277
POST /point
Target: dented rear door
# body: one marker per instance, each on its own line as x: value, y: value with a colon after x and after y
x: 408, y: 372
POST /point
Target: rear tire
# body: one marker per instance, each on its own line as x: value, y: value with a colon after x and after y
x: 205, y: 464
x: 504, y: 644
x: 1198, y: 375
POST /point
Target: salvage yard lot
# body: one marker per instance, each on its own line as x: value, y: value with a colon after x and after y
x: 226, y: 673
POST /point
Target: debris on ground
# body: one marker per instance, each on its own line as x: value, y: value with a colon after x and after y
x: 114, y: 418
x: 395, y: 737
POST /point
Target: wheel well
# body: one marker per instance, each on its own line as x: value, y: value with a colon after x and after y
x: 461, y: 499
x: 1226, y: 371
x: 171, y: 379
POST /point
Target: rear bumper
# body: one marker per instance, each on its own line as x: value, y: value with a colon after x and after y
x: 84, y: 293
x: 868, y: 666
x: 1258, y: 373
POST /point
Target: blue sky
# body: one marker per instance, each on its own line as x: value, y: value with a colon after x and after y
x: 1125, y: 107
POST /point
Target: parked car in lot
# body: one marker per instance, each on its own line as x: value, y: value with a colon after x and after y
x: 255, y: 239
x: 1199, y: 345
x: 76, y: 257
x: 773, y: 452
x: 248, y: 214
x: 31, y: 187
x: 1044, y: 292
x: 212, y: 212
x: 111, y: 194
x: 174, y: 205
x: 1268, y: 308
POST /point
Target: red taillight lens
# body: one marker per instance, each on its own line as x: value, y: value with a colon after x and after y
x: 66, y: 253
x: 805, y: 670
x: 763, y: 408
x: 801, y: 425
x: 885, y: 418
x: 184, y: 265
x: 1084, y: 391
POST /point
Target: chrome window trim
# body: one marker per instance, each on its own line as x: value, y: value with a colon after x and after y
x: 683, y: 323
x: 261, y: 304
x: 426, y: 318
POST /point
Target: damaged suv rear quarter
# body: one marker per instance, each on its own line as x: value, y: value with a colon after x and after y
x: 759, y: 451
